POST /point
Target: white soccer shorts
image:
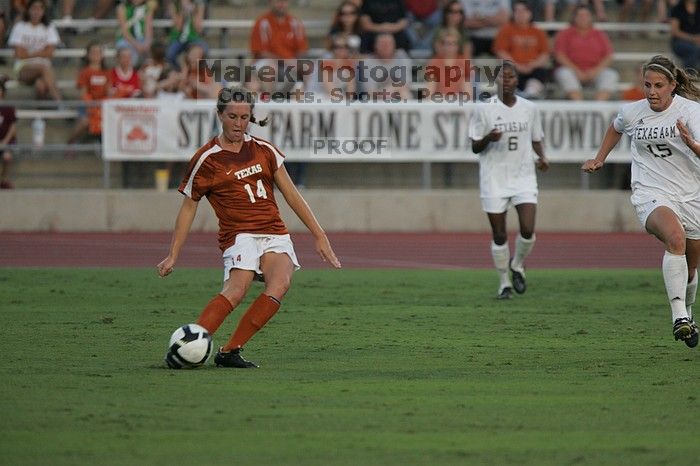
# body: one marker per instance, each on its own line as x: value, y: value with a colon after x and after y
x: 245, y: 254
x: 688, y: 212
x: 498, y: 205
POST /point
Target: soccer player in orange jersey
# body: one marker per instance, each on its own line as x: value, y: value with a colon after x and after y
x: 236, y: 172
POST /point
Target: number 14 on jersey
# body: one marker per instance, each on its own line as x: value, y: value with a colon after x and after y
x: 260, y: 191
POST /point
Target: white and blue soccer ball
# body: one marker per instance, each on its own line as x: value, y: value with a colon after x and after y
x: 189, y: 347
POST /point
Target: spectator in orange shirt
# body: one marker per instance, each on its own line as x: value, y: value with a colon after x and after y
x: 94, y: 84
x: 277, y: 35
x: 527, y: 47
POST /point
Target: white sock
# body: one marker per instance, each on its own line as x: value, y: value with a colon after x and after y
x: 501, y: 257
x: 690, y: 291
x: 675, y: 271
x: 522, y: 250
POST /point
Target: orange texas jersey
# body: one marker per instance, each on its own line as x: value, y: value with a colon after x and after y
x: 239, y: 187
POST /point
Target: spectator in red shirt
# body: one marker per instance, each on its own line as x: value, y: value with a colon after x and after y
x: 277, y: 35
x: 94, y: 84
x: 124, y: 78
x: 584, y: 54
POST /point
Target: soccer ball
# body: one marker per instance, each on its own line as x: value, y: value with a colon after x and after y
x: 190, y: 346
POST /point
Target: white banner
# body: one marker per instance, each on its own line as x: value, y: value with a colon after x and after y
x: 415, y: 132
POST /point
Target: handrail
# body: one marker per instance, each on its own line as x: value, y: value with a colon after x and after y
x: 324, y: 25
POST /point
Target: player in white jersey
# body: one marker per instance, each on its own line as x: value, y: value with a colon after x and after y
x: 665, y: 132
x: 504, y: 134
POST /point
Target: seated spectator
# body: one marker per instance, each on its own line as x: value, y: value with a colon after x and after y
x: 135, y: 28
x: 94, y: 84
x: 150, y: 72
x: 424, y: 18
x: 391, y: 84
x: 8, y: 132
x: 527, y: 47
x: 584, y: 54
x: 384, y: 17
x: 453, y: 18
x: 334, y: 72
x: 188, y: 26
x: 483, y: 19
x: 169, y: 85
x: 685, y: 32
x: 440, y: 78
x: 346, y: 22
x: 123, y: 77
x: 196, y: 82
x: 277, y: 35
x: 34, y: 40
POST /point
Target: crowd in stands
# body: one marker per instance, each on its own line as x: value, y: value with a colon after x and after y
x: 437, y: 33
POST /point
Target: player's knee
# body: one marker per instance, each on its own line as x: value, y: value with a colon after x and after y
x: 234, y: 295
x: 500, y: 238
x: 278, y: 287
x: 675, y: 242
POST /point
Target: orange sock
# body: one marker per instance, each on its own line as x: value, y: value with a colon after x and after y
x: 255, y: 318
x: 214, y: 314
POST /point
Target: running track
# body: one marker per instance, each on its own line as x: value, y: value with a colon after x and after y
x: 355, y: 250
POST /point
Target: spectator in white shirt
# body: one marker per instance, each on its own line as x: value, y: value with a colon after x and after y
x: 34, y: 40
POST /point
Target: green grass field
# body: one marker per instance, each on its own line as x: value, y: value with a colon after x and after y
x: 360, y: 367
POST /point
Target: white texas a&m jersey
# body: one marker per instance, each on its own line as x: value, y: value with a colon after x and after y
x: 661, y: 161
x: 507, y: 167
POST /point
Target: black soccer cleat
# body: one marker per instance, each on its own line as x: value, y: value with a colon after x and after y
x: 682, y: 329
x: 692, y: 340
x: 518, y: 279
x: 232, y: 358
x: 505, y: 293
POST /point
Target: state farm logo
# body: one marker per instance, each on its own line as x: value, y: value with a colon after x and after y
x: 137, y: 133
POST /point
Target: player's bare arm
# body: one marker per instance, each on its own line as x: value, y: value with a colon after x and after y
x: 612, y: 137
x: 542, y: 162
x: 185, y: 217
x: 480, y: 145
x: 688, y: 138
x: 301, y: 208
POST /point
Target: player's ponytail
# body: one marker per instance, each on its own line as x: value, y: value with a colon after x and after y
x: 685, y: 79
x: 238, y: 94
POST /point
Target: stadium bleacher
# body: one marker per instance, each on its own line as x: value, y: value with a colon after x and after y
x: 227, y: 31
